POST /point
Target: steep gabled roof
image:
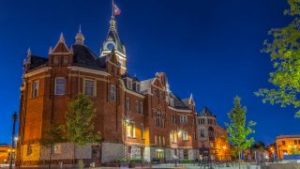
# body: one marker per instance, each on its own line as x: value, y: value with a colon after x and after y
x: 178, y: 102
x: 37, y: 61
x: 206, y: 112
x: 84, y: 57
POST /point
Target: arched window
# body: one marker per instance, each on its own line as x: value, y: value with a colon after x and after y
x: 211, y: 132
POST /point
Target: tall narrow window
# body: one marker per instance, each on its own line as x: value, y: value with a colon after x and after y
x: 60, y: 84
x: 141, y: 107
x: 142, y: 130
x: 185, y: 136
x: 35, y: 89
x: 130, y: 129
x: 112, y: 93
x: 137, y: 109
x: 129, y: 83
x: 127, y: 105
x: 89, y: 87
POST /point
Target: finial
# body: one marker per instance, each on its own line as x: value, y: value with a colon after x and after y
x: 112, y: 24
x: 62, y: 38
x: 50, y: 50
x: 79, y: 38
x: 79, y: 29
x: 28, y: 52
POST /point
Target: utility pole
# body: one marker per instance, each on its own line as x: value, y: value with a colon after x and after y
x: 14, y: 118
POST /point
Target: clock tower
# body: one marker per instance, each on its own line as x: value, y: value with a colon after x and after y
x: 113, y: 42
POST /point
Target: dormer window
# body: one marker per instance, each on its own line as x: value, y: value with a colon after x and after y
x: 129, y: 83
x: 136, y: 87
x: 171, y: 101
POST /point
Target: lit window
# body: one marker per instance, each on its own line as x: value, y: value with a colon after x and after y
x: 142, y: 130
x: 185, y: 136
x: 35, y: 88
x: 130, y: 129
x: 60, y: 84
x: 112, y: 93
x: 89, y: 87
x: 29, y: 149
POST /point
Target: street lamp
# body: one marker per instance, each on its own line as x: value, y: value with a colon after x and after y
x: 14, y: 118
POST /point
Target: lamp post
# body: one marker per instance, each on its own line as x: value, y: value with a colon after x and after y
x: 14, y: 118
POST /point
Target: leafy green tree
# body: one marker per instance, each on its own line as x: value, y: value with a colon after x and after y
x: 238, y: 129
x: 53, y: 135
x: 284, y: 49
x: 79, y: 128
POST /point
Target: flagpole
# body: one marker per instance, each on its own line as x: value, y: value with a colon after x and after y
x: 112, y: 8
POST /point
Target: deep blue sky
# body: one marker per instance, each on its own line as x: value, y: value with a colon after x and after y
x: 209, y: 48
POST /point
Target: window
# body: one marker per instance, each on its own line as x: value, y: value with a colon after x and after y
x: 137, y: 87
x: 283, y: 142
x: 185, y: 136
x: 137, y: 108
x: 66, y: 60
x: 141, y: 107
x: 202, y: 134
x: 89, y: 87
x: 29, y: 149
x: 163, y: 140
x: 159, y: 140
x: 174, y: 119
x: 183, y: 119
x: 142, y: 130
x: 159, y: 120
x: 60, y: 84
x: 112, y: 92
x: 295, y: 142
x: 35, y: 89
x: 57, y: 149
x: 129, y: 83
x: 127, y: 104
x: 173, y: 137
x: 130, y: 130
x: 201, y: 121
x: 155, y: 139
x: 172, y: 102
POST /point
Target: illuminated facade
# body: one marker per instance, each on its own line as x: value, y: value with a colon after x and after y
x: 5, y: 151
x: 287, y: 145
x: 138, y: 119
x: 212, y: 138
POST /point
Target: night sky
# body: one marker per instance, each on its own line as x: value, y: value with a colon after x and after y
x: 209, y: 48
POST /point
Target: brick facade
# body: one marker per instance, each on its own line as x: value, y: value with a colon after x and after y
x: 136, y: 118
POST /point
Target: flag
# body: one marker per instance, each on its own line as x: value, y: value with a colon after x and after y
x: 116, y: 9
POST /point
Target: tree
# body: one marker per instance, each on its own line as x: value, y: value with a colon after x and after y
x: 79, y: 127
x: 53, y: 135
x: 238, y: 128
x: 284, y: 50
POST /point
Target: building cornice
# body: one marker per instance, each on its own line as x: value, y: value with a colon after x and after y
x: 38, y: 71
x: 87, y: 70
x: 180, y: 110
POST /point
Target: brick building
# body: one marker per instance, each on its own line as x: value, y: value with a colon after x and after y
x: 287, y: 145
x: 5, y: 151
x: 212, y: 138
x: 137, y: 118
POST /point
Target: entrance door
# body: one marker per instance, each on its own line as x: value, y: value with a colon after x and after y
x: 96, y: 154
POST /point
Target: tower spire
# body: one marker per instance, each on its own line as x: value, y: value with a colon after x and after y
x: 79, y: 38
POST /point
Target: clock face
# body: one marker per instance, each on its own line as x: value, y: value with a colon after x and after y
x: 110, y: 46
